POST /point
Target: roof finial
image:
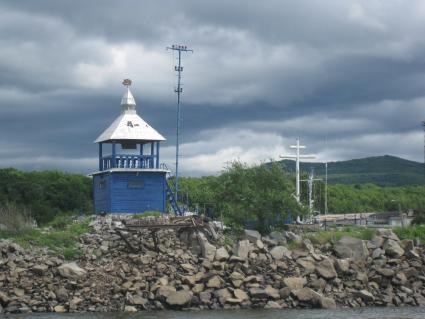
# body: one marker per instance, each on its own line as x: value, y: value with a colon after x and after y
x: 126, y: 82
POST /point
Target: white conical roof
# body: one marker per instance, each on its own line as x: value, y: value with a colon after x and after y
x: 129, y: 125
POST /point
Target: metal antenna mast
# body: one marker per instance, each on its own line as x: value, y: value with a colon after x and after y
x: 179, y: 69
x: 297, y: 158
x: 326, y: 188
x: 423, y: 125
x: 310, y: 183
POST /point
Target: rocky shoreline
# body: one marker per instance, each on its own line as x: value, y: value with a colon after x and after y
x: 192, y: 271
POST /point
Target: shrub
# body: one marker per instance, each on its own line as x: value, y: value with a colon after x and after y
x: 15, y: 220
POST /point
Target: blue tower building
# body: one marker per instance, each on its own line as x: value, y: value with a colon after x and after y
x: 130, y: 177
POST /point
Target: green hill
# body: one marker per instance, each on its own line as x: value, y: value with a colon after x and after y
x: 380, y: 170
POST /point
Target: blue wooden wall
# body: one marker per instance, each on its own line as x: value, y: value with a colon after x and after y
x: 129, y: 192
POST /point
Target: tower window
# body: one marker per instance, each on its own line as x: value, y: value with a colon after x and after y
x: 102, y: 184
x: 129, y: 123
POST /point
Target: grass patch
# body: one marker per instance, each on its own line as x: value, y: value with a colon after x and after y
x: 292, y: 245
x: 411, y: 232
x: 60, y: 241
x: 149, y: 213
x: 331, y: 236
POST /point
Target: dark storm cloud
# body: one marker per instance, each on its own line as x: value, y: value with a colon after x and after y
x: 263, y: 73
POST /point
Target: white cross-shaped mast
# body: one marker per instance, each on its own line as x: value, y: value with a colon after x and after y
x: 297, y: 158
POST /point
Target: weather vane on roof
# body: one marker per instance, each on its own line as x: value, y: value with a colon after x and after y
x: 126, y: 82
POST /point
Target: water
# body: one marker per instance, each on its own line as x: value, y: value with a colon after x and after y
x: 362, y: 313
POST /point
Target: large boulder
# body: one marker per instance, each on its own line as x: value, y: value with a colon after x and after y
x: 222, y: 295
x: 243, y: 248
x: 326, y: 269
x: 350, y: 247
x: 258, y: 293
x: 208, y: 250
x: 164, y: 291
x: 393, y: 249
x: 307, y: 295
x: 387, y: 234
x: 71, y: 270
x: 327, y: 303
x: 342, y: 265
x: 278, y: 237
x: 214, y: 282
x: 272, y: 305
x: 252, y: 235
x: 179, y: 298
x: 294, y: 283
x: 240, y: 294
x: 278, y: 252
x: 307, y: 263
x: 221, y: 254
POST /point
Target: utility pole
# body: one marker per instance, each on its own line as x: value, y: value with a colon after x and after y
x: 297, y: 158
x: 423, y: 125
x: 310, y: 183
x: 326, y: 188
x: 179, y: 69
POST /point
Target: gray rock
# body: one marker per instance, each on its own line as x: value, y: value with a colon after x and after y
x: 387, y: 234
x: 393, y: 249
x: 365, y: 295
x: 258, y: 293
x: 279, y: 252
x: 223, y: 295
x: 327, y: 303
x: 59, y: 309
x: 307, y: 264
x: 240, y: 294
x: 294, y: 283
x: 350, y: 247
x: 386, y: 272
x: 377, y: 253
x: 243, y: 248
x: 214, y: 282
x: 377, y: 241
x: 342, y: 266
x: 205, y: 297
x: 272, y: 292
x: 179, y: 298
x: 130, y: 309
x: 208, y: 250
x: 252, y: 235
x: 165, y: 291
x: 290, y: 236
x: 278, y: 237
x: 307, y: 295
x: 272, y: 305
x: 40, y: 269
x: 270, y: 241
x: 221, y: 254
x: 71, y: 270
x: 62, y: 294
x: 326, y: 269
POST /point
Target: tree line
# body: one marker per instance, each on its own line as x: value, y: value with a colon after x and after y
x: 241, y: 194
x: 46, y: 194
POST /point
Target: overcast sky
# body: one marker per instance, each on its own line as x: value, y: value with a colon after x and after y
x: 347, y: 77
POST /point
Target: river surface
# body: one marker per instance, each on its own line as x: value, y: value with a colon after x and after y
x: 362, y: 313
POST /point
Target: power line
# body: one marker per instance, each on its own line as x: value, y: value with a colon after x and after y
x: 179, y: 69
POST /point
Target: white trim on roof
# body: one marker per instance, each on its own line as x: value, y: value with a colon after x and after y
x: 129, y: 125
